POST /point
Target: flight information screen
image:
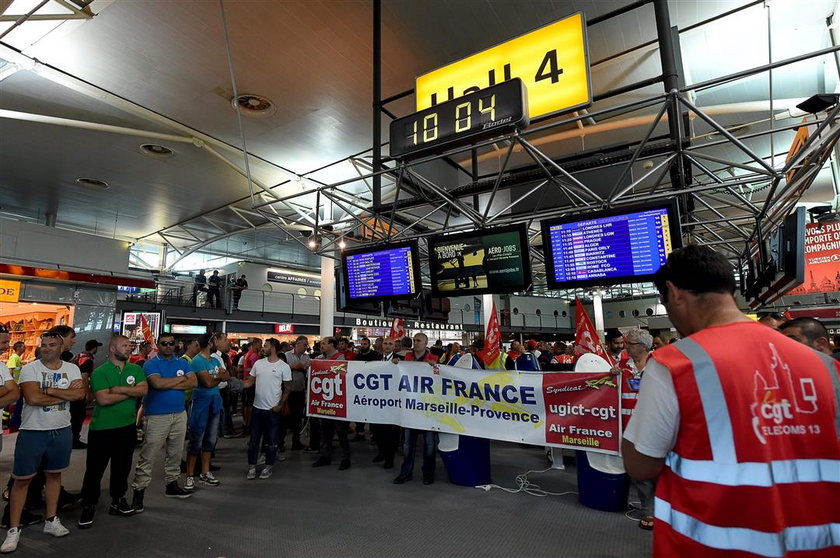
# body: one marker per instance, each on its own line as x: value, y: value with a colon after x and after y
x: 388, y: 272
x: 611, y: 249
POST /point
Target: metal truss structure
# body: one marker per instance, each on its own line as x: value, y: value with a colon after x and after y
x: 731, y: 190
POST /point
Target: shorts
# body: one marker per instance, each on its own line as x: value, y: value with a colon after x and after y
x: 53, y: 446
x: 248, y: 395
x: 203, y: 424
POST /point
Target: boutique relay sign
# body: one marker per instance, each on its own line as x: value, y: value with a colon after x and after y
x: 578, y: 411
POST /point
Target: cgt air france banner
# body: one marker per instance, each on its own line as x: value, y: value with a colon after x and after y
x: 571, y: 410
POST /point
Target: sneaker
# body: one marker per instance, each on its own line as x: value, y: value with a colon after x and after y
x: 252, y: 473
x: 265, y: 473
x: 344, y: 465
x: 175, y: 491
x: 189, y: 484
x: 137, y: 500
x: 67, y: 499
x: 280, y: 457
x: 11, y: 542
x: 26, y: 518
x: 86, y: 519
x: 121, y: 507
x: 55, y: 528
x: 209, y: 479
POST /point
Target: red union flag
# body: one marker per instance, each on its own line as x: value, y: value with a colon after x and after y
x: 492, y: 340
x: 147, y: 331
x: 397, y: 329
x: 586, y: 336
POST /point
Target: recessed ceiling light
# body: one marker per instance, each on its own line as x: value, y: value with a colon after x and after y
x: 94, y: 183
x: 156, y: 151
x: 255, y: 106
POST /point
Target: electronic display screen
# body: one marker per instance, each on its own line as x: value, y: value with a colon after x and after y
x: 485, y: 113
x: 610, y: 248
x: 480, y: 262
x: 385, y: 272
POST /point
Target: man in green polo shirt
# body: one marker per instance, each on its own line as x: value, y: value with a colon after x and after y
x: 112, y: 436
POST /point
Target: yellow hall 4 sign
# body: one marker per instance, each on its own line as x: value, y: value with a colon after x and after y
x: 552, y: 62
x: 9, y: 291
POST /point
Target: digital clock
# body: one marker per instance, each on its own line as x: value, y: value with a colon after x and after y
x: 482, y: 114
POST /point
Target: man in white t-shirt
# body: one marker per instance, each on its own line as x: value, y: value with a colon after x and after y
x: 273, y: 380
x: 48, y: 386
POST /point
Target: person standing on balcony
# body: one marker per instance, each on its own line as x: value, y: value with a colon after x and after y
x: 240, y: 285
x: 214, y: 290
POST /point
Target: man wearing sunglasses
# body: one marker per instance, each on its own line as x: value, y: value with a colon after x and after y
x: 48, y: 386
x: 166, y: 420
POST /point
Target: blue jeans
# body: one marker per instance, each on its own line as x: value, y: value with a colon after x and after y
x: 429, y: 449
x: 204, y: 424
x: 268, y: 423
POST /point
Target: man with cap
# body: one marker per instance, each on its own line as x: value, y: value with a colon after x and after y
x: 78, y: 409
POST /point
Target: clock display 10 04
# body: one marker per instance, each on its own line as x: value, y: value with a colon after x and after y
x: 484, y: 113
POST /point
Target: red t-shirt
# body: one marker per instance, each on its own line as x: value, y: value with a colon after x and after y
x: 250, y: 358
x: 427, y: 357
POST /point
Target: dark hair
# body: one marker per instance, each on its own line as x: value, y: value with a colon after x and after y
x: 365, y: 338
x: 406, y: 342
x: 612, y: 333
x: 274, y: 343
x: 204, y: 340
x: 811, y: 328
x: 164, y: 334
x: 63, y: 330
x: 698, y: 269
x: 18, y: 344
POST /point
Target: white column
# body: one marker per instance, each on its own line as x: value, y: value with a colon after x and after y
x: 327, y: 297
x: 598, y: 310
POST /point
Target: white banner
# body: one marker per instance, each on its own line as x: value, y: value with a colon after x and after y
x: 557, y: 409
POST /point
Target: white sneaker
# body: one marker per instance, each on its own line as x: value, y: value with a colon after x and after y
x: 252, y: 473
x: 280, y: 457
x: 11, y: 542
x: 266, y: 472
x: 55, y: 528
x: 189, y: 484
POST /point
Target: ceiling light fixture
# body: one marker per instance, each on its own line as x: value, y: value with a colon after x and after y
x: 93, y: 183
x: 314, y: 242
x: 342, y: 244
x: 255, y: 106
x: 156, y: 151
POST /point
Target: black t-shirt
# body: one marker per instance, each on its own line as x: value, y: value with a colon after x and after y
x: 242, y: 283
x: 201, y: 280
x: 66, y: 356
x: 214, y: 281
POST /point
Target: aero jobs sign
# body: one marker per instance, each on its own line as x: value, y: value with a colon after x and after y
x: 552, y: 62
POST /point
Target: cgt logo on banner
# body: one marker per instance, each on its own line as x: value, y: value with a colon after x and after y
x: 578, y: 411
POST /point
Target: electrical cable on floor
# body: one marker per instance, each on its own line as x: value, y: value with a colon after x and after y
x: 526, y: 486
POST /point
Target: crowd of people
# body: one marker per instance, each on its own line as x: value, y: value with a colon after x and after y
x: 679, y: 423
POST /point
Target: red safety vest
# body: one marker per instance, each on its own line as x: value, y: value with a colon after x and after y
x: 756, y: 467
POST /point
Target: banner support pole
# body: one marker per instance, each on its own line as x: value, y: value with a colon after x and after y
x: 598, y: 311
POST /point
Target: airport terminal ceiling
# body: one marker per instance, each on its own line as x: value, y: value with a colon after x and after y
x: 137, y: 97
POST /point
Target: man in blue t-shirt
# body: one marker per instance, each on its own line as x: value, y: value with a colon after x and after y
x: 206, y: 406
x: 166, y: 421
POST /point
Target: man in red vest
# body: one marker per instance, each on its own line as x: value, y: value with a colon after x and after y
x: 738, y: 424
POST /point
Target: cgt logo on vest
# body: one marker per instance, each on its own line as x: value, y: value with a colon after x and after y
x: 780, y: 399
x: 327, y: 394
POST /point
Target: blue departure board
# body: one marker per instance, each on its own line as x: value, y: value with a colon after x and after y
x: 609, y: 249
x: 383, y: 273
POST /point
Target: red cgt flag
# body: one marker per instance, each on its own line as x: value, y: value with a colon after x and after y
x: 397, y: 329
x: 492, y: 341
x: 586, y: 336
x: 147, y: 331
